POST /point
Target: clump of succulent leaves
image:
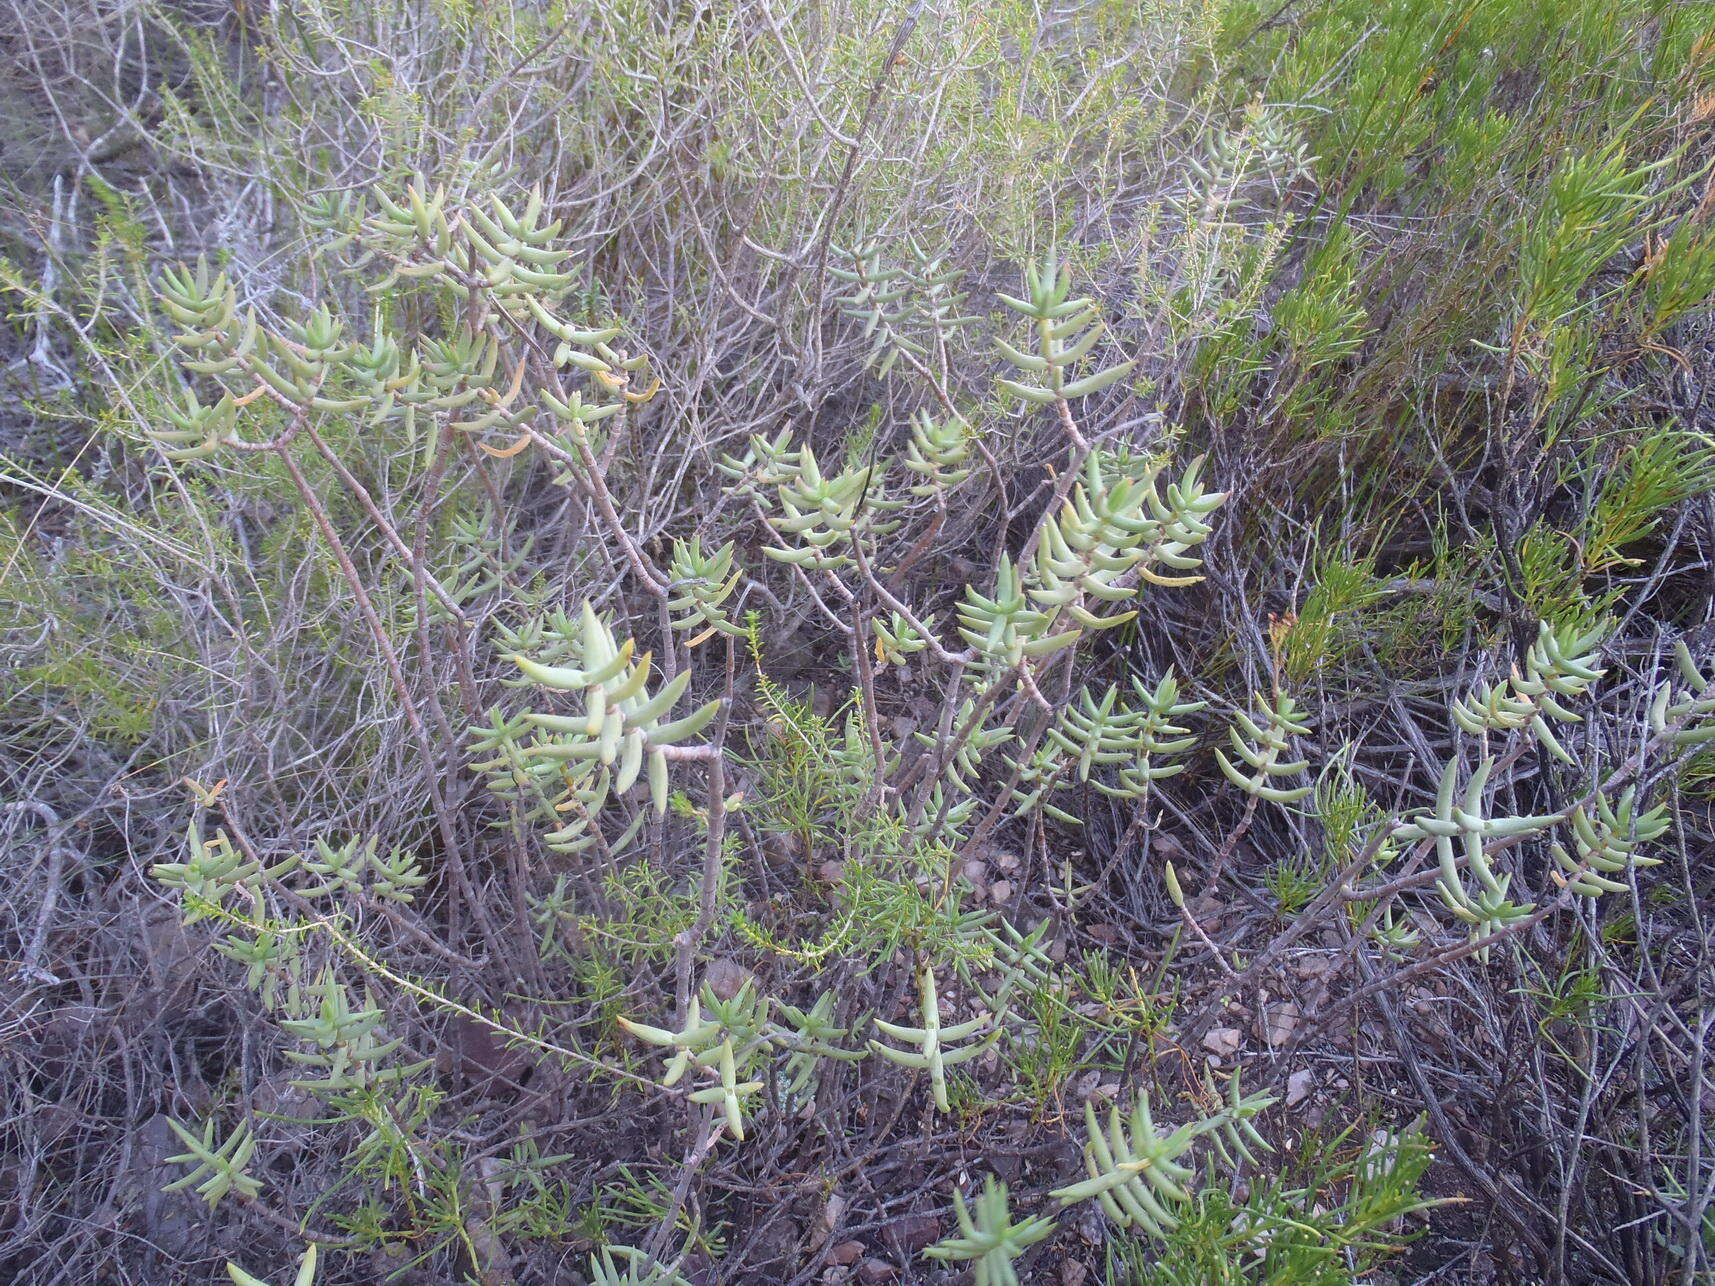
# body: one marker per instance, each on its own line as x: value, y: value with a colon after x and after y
x: 607, y: 738
x: 564, y: 768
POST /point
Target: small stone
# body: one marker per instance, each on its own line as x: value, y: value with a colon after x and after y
x: 1299, y: 1085
x: 875, y: 1270
x: 727, y: 977
x: 834, y: 1210
x: 1222, y: 1041
x: 1072, y: 1273
x: 1001, y: 892
x: 914, y: 1232
x: 1279, y: 1022
x: 847, y: 1252
x: 1205, y: 907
